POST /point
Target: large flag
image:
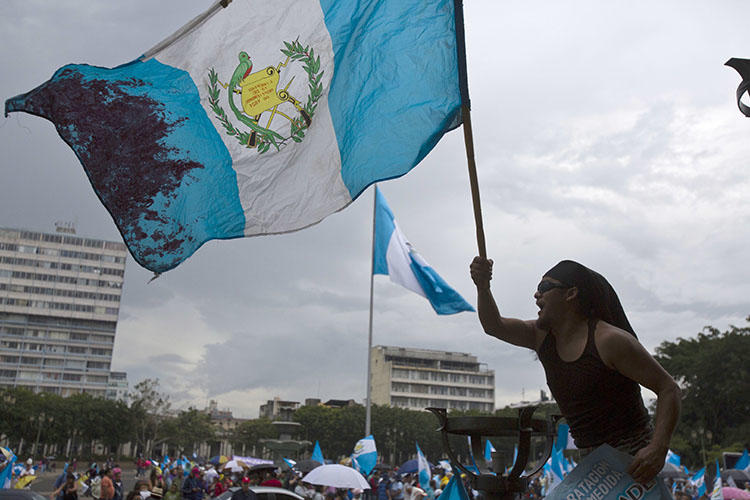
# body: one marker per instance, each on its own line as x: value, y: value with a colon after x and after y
x: 423, y: 472
x: 365, y: 455
x: 396, y: 257
x: 717, y: 493
x: 317, y: 454
x: 257, y: 117
x: 698, y: 481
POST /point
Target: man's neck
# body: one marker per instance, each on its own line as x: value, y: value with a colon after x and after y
x: 570, y: 326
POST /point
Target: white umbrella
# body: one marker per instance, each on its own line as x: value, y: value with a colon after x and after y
x: 339, y: 476
x: 233, y: 465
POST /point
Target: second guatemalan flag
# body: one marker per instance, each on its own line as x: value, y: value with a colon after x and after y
x: 395, y: 256
x: 365, y: 455
x: 257, y: 117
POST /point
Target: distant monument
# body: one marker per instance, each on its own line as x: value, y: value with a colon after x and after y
x: 285, y: 446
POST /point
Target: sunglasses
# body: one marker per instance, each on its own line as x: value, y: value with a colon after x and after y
x: 546, y: 286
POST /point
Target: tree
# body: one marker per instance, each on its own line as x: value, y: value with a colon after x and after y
x: 148, y: 409
x: 714, y: 374
x: 250, y: 432
x: 186, y: 431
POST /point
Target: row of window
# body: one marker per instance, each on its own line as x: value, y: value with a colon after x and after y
x: 59, y: 252
x: 442, y: 390
x: 53, y: 348
x: 57, y: 321
x: 18, y: 331
x: 62, y: 239
x: 77, y: 364
x: 77, y: 294
x: 57, y: 306
x: 60, y: 377
x: 6, y: 273
x: 404, y: 402
x: 63, y: 266
x: 434, y: 376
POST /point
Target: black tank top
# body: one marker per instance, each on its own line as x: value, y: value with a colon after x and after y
x: 600, y: 405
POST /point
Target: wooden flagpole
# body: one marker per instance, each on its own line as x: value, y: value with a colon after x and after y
x: 473, y: 181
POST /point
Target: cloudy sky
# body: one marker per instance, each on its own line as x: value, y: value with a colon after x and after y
x: 605, y: 132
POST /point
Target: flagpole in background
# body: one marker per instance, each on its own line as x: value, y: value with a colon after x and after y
x: 463, y: 81
x: 368, y: 407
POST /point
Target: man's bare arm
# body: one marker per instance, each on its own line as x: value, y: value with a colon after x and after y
x: 511, y: 330
x: 624, y: 353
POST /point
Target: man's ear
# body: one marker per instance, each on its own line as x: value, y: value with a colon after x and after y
x: 571, y: 293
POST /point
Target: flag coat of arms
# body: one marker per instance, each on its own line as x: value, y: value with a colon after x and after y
x: 257, y: 117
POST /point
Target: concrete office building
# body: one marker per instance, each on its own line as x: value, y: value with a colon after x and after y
x: 59, y: 303
x: 420, y: 378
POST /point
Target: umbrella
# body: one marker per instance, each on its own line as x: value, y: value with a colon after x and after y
x: 736, y: 474
x: 410, y: 466
x: 305, y: 466
x: 735, y: 493
x: 260, y: 467
x: 670, y: 470
x: 339, y: 476
x: 383, y: 467
x: 233, y: 465
x: 218, y: 459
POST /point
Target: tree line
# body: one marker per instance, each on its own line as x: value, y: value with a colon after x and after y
x: 712, y: 369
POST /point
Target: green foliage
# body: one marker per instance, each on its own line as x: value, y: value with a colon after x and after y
x: 186, y: 431
x: 713, y: 372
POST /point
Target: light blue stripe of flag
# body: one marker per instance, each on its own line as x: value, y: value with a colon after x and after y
x: 699, y: 481
x: 673, y: 458
x: 365, y: 455
x: 397, y: 258
x: 317, y: 454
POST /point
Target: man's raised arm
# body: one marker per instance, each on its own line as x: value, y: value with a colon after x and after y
x: 511, y: 330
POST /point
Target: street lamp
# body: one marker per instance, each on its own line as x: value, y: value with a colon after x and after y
x: 708, y: 435
x: 40, y: 419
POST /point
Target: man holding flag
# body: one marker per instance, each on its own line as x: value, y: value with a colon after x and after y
x: 593, y: 362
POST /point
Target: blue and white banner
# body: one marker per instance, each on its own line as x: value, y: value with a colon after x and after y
x: 6, y: 473
x: 261, y: 117
x: 602, y: 475
x: 396, y: 257
x: 423, y: 472
x: 365, y: 455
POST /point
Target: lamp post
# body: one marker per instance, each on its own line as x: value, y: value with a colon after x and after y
x: 708, y: 435
x: 40, y: 419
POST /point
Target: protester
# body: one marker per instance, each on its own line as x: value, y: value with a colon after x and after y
x: 397, y: 488
x: 107, y: 487
x: 68, y: 490
x: 173, y: 493
x: 192, y: 488
x: 117, y: 483
x: 593, y: 362
x: 271, y: 479
x: 244, y: 493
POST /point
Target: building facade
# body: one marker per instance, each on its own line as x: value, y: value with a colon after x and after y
x: 277, y: 409
x: 420, y: 378
x: 59, y: 304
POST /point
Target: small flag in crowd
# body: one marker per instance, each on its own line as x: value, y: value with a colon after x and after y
x: 423, y: 472
x: 317, y: 454
x: 717, y: 493
x: 291, y: 463
x: 672, y: 458
x: 239, y: 125
x: 488, y: 449
x: 454, y: 490
x: 396, y: 257
x: 365, y: 455
x: 698, y: 481
x: 5, y: 474
x: 744, y: 462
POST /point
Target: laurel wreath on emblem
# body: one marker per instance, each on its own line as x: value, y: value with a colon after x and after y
x: 258, y: 136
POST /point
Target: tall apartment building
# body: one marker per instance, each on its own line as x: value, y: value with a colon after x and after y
x: 421, y: 378
x: 59, y: 302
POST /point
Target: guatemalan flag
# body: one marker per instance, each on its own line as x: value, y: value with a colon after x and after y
x: 365, y: 455
x: 395, y: 256
x: 258, y: 117
x: 423, y: 471
x: 698, y: 481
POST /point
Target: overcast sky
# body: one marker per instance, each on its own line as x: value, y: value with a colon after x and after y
x: 605, y: 132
